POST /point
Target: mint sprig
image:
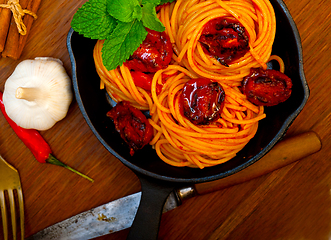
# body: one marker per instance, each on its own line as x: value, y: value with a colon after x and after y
x: 150, y: 19
x: 121, y: 23
x: 165, y: 1
x: 123, y: 41
x: 124, y: 11
x: 93, y: 21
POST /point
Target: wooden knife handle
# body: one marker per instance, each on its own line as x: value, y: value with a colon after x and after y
x: 282, y: 154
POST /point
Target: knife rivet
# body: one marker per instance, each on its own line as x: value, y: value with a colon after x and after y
x: 185, y: 193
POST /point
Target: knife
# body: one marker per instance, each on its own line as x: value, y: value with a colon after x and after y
x: 119, y: 214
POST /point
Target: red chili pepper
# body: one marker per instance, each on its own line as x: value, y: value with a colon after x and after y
x: 36, y: 143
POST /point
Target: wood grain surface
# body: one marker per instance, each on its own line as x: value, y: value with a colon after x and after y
x: 291, y: 203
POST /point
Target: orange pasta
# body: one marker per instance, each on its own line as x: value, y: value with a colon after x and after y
x: 187, y: 19
x: 119, y: 83
x: 200, y: 146
x: 177, y: 141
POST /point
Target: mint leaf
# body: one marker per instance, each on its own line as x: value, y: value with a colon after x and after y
x: 137, y: 13
x: 166, y: 1
x: 155, y: 2
x: 123, y: 10
x: 93, y: 21
x: 123, y: 41
x: 150, y: 19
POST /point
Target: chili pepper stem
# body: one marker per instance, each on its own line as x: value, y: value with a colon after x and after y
x: 53, y: 160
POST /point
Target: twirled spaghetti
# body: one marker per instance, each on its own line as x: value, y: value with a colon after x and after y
x: 185, y: 20
x: 181, y: 143
x: 176, y: 140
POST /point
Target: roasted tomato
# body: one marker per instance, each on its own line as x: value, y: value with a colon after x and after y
x: 202, y: 100
x: 224, y: 39
x: 144, y: 80
x: 153, y: 54
x: 267, y: 87
x: 132, y: 125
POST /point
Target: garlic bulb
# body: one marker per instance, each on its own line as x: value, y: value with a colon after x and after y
x: 38, y: 93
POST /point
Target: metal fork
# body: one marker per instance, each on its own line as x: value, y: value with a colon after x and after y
x: 10, y: 181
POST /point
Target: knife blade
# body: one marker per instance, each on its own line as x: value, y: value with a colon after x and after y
x: 119, y: 214
x: 110, y: 217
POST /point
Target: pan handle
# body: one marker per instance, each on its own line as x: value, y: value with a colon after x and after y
x: 147, y: 220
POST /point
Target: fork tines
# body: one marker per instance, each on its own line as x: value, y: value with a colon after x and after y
x: 15, y: 199
x: 11, y: 201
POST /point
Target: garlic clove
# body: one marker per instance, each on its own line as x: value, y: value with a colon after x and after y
x: 38, y: 93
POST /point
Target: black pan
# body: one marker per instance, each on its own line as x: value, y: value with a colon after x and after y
x: 157, y: 178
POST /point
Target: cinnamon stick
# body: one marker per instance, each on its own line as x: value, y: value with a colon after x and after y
x: 28, y: 21
x: 5, y: 16
x: 12, y: 40
x: 11, y: 46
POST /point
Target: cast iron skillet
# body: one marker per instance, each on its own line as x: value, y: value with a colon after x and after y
x: 157, y: 178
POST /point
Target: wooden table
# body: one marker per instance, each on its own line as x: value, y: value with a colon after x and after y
x: 290, y: 203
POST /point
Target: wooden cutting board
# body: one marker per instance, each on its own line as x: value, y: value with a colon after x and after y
x: 290, y: 203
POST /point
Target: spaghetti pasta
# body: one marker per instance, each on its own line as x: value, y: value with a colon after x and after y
x: 176, y: 140
x: 213, y: 143
x: 188, y: 19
